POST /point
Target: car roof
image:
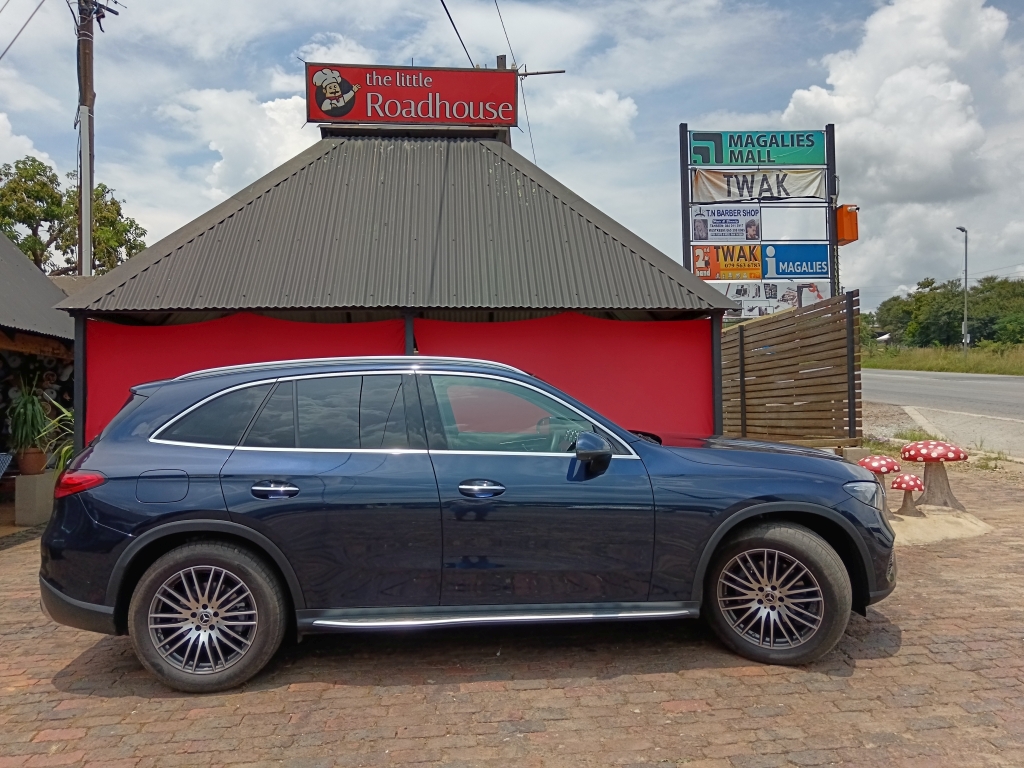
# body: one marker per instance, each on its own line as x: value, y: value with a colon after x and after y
x: 343, y: 363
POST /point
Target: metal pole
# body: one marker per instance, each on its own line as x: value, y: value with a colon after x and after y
x: 86, y: 102
x: 85, y: 194
x: 832, y: 193
x: 966, y: 338
x: 684, y: 181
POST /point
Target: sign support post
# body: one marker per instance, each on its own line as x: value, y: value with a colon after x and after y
x: 832, y: 192
x: 684, y: 190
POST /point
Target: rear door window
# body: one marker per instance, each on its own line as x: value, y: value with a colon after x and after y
x: 275, y: 425
x: 220, y: 421
x: 351, y: 412
x: 328, y: 412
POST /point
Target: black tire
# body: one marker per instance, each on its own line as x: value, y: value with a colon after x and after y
x: 223, y: 650
x: 750, y: 620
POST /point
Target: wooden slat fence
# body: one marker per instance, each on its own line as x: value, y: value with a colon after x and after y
x: 795, y: 376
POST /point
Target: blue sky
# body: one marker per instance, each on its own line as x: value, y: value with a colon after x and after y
x: 196, y: 100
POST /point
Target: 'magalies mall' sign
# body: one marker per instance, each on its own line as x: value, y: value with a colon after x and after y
x: 339, y: 93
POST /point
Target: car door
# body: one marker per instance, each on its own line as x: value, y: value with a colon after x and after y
x: 335, y: 471
x: 523, y: 520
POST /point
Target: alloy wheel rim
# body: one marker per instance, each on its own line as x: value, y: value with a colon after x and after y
x: 770, y: 599
x: 203, y: 619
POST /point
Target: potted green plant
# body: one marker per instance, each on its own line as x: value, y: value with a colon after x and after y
x: 59, y: 435
x: 28, y: 424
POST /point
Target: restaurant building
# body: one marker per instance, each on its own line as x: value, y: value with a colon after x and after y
x: 402, y: 240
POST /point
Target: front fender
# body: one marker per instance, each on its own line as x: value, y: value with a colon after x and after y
x: 780, y: 508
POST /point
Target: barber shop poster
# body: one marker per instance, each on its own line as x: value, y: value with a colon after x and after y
x: 725, y: 223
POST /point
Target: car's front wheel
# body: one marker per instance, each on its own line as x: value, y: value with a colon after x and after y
x: 777, y: 593
x: 207, y: 616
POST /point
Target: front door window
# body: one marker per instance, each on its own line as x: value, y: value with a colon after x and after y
x: 479, y: 414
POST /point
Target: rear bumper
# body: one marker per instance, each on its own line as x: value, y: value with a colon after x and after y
x: 74, y: 613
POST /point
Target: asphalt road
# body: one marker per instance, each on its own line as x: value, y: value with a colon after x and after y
x: 970, y: 409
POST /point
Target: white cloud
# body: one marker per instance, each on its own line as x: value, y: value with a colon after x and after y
x: 912, y: 148
x: 14, y: 146
x: 19, y: 95
x: 251, y: 137
x: 334, y: 48
x: 588, y: 112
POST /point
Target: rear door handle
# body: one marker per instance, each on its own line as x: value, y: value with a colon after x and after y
x: 266, y: 489
x: 481, y: 489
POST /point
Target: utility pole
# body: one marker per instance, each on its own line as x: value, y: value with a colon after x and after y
x: 967, y: 338
x: 86, y: 103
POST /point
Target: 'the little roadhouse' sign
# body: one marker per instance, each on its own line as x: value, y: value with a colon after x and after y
x: 341, y: 93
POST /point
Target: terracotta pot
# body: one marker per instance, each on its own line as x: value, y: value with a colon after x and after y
x: 31, y: 461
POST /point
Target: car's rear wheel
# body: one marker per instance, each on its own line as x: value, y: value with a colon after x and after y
x: 207, y: 616
x: 777, y: 593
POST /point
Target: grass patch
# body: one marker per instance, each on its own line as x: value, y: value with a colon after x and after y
x: 993, y: 358
x: 881, y: 448
x: 990, y: 460
x: 914, y: 435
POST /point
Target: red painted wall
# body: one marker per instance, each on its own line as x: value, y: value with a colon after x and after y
x: 120, y: 356
x: 650, y: 376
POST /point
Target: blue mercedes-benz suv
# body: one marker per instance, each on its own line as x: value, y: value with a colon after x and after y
x: 220, y: 508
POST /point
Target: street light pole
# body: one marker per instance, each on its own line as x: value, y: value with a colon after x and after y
x: 966, y: 337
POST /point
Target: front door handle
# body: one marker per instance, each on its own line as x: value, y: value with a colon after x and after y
x: 266, y: 489
x: 481, y: 489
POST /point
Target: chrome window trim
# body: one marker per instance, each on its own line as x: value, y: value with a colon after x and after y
x: 566, y: 455
x: 192, y: 445
x: 155, y: 437
x: 331, y: 450
x: 427, y: 372
x: 413, y: 370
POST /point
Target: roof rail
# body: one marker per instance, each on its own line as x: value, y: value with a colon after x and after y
x: 406, y: 359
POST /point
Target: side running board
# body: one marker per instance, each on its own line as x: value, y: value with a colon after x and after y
x: 310, y: 621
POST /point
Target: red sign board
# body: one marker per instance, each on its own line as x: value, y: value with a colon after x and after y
x: 340, y: 93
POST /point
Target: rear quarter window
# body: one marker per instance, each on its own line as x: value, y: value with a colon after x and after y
x: 220, y: 421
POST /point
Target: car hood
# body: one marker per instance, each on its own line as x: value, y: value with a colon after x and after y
x: 758, y: 454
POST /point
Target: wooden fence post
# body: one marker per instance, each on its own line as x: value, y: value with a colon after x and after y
x: 851, y: 381
x: 743, y: 387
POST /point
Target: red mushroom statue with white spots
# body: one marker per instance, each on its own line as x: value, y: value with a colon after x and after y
x: 908, y: 484
x: 881, y: 466
x: 934, y: 454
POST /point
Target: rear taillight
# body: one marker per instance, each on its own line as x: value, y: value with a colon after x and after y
x: 77, y: 480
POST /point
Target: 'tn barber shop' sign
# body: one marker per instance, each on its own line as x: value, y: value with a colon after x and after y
x: 338, y: 93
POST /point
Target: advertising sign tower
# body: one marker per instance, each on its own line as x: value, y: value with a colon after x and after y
x: 759, y: 219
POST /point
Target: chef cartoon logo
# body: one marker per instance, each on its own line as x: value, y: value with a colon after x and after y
x: 334, y: 94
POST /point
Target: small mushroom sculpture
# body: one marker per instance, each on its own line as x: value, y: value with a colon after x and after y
x: 908, y: 484
x: 934, y: 454
x: 881, y: 466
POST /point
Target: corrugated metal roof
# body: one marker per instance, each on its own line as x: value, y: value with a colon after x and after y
x: 374, y: 222
x: 28, y: 297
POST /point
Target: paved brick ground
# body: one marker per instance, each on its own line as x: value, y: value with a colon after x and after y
x: 933, y: 676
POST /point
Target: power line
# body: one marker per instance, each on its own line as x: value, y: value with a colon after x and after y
x: 444, y: 5
x: 4, y: 6
x: 522, y: 87
x: 22, y: 27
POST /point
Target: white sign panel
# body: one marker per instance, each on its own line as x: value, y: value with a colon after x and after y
x: 766, y: 298
x: 776, y: 184
x: 789, y: 222
x: 725, y: 223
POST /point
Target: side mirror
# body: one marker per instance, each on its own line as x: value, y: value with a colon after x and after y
x: 594, y: 450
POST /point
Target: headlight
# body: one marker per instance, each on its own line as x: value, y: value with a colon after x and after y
x: 867, y: 491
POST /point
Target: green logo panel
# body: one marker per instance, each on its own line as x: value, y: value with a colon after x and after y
x: 757, y: 148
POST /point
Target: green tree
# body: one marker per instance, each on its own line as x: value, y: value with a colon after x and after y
x: 42, y: 219
x: 31, y: 199
x: 933, y: 313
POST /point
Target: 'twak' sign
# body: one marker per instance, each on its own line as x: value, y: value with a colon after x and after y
x: 734, y: 186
